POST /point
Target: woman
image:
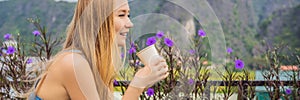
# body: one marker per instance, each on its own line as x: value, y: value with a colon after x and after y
x: 89, y: 61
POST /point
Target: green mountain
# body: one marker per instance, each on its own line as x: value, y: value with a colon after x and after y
x: 245, y: 22
x: 283, y: 27
x: 53, y: 15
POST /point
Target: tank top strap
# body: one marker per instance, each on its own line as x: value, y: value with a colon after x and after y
x: 72, y: 50
x: 75, y: 51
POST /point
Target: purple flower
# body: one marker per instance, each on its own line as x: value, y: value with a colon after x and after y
x: 192, y: 52
x: 229, y: 50
x: 137, y: 63
x: 7, y: 36
x: 288, y: 91
x: 191, y: 81
x: 116, y: 82
x: 151, y: 41
x: 159, y: 34
x: 150, y: 91
x: 132, y: 50
x: 169, y: 42
x: 201, y: 33
x: 10, y: 50
x: 239, y: 64
x: 122, y: 55
x: 36, y: 33
x: 29, y: 61
x: 132, y: 44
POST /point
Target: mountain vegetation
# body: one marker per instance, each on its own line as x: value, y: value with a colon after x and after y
x: 245, y: 22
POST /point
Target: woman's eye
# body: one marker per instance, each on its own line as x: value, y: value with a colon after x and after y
x: 122, y: 15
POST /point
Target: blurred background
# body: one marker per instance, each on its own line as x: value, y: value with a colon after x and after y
x: 246, y: 23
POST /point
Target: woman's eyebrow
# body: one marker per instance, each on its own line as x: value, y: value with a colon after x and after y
x: 123, y: 10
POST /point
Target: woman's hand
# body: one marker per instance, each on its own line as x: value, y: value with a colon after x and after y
x: 147, y: 76
x: 156, y: 70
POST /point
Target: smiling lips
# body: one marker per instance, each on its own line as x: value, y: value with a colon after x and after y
x: 123, y: 34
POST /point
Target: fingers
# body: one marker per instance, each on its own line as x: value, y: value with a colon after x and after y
x: 163, y: 71
x: 164, y: 76
x: 159, y: 66
x: 155, y: 60
x: 162, y: 67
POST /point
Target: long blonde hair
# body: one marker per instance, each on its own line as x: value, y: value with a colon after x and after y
x: 92, y: 31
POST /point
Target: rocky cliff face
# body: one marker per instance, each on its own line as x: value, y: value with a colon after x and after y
x: 283, y: 27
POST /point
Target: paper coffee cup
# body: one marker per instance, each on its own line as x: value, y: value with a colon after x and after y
x: 147, y: 54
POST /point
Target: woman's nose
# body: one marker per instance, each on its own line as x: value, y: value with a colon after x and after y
x: 129, y: 24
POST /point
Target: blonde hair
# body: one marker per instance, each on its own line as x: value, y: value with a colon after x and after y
x: 92, y: 31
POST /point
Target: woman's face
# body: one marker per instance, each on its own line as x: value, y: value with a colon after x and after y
x: 122, y: 23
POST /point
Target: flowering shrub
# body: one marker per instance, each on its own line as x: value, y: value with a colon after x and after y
x: 276, y: 89
x: 180, y: 83
x: 18, y: 70
x: 190, y: 70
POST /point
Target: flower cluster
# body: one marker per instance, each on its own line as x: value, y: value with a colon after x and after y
x: 17, y: 76
x: 165, y: 46
x: 160, y: 35
x: 132, y: 48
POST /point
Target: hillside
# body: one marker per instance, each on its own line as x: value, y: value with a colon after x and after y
x: 54, y: 15
x: 245, y: 22
x: 283, y: 27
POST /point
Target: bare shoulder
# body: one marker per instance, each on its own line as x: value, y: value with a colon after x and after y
x: 66, y: 64
x: 70, y: 59
x: 77, y: 77
x: 72, y: 70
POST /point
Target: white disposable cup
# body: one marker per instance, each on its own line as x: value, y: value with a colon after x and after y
x: 147, y: 54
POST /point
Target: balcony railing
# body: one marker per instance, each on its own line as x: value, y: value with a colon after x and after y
x: 244, y: 84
